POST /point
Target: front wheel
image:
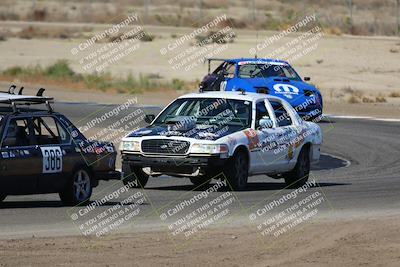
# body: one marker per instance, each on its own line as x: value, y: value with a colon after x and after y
x: 134, y: 177
x: 237, y: 171
x: 299, y: 175
x: 79, y: 188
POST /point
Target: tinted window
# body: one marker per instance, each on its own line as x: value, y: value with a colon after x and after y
x: 261, y: 113
x: 207, y: 111
x: 17, y: 133
x: 282, y: 116
x: 267, y: 70
x: 46, y: 130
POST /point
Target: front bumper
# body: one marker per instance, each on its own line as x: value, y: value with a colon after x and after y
x: 176, y: 165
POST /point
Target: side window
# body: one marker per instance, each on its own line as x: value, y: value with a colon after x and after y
x: 261, y: 113
x: 230, y: 70
x: 65, y: 137
x: 282, y: 116
x: 17, y: 133
x: 46, y: 130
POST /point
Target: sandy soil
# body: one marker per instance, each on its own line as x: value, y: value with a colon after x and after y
x: 344, y: 242
x: 340, y: 66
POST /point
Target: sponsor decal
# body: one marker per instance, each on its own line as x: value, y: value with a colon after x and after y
x: 252, y: 137
x: 286, y: 90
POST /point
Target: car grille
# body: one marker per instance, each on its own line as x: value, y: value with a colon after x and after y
x: 165, y: 146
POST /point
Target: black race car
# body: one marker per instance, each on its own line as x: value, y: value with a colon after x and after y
x: 41, y: 151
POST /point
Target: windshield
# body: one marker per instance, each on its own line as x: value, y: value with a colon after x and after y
x: 209, y: 111
x: 255, y: 70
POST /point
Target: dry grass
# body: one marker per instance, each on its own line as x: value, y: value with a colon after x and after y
x: 366, y: 99
x: 353, y: 100
x: 267, y: 14
x: 380, y: 99
x: 56, y: 32
x: 394, y: 94
x: 61, y: 73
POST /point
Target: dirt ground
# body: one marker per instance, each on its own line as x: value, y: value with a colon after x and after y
x: 334, y: 242
x: 350, y: 71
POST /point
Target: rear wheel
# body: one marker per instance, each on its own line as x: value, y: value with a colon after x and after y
x: 134, y: 177
x: 237, y: 171
x: 79, y: 188
x: 299, y: 175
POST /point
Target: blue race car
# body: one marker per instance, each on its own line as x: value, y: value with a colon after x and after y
x: 265, y: 76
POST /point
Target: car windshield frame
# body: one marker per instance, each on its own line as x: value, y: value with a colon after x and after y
x: 170, y: 112
x: 270, y: 67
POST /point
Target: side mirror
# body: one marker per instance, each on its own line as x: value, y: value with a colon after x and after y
x: 149, y: 118
x: 266, y: 123
x: 307, y: 79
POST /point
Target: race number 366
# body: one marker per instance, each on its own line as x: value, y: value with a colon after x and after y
x: 52, y: 159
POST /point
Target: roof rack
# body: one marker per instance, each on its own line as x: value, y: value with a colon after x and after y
x: 12, y: 99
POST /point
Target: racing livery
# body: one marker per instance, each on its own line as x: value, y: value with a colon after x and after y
x: 266, y: 76
x: 41, y: 151
x: 236, y: 134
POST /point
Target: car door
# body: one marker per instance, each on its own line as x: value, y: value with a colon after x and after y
x: 57, y: 152
x: 263, y: 156
x: 20, y: 164
x: 286, y: 134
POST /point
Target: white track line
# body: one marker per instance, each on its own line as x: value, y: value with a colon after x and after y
x: 328, y: 116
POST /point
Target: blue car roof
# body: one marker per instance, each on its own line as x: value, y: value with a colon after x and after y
x: 266, y: 60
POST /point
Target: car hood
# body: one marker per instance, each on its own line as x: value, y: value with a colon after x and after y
x: 199, y: 132
x: 271, y: 81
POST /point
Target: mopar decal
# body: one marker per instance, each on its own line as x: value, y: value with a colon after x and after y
x: 286, y: 89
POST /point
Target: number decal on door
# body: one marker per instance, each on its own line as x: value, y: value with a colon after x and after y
x: 52, y: 159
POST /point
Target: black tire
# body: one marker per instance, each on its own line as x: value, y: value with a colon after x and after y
x: 79, y: 188
x: 200, y: 180
x: 299, y: 175
x: 134, y: 177
x: 237, y: 171
x: 2, y: 197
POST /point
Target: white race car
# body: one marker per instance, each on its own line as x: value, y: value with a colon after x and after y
x: 229, y: 135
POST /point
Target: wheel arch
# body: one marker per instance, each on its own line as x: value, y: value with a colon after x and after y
x: 308, y: 146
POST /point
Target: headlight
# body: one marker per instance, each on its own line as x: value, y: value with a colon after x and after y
x: 130, y: 146
x: 209, y: 149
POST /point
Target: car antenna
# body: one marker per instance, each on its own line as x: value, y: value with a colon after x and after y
x: 255, y: 49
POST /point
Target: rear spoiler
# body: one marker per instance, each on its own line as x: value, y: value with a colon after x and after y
x: 214, y: 59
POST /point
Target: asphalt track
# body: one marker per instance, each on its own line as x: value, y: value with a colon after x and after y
x: 358, y: 174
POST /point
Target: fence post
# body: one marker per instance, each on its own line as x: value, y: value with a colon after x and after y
x: 398, y: 16
x: 350, y: 4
